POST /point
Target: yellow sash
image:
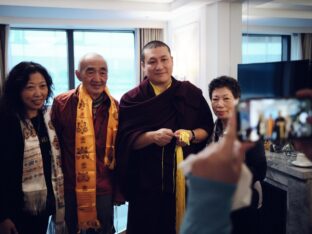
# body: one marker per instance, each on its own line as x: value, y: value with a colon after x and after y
x: 85, y: 153
x: 109, y: 157
x: 180, y: 181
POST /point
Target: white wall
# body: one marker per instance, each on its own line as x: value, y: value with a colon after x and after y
x: 218, y: 36
x: 191, y: 22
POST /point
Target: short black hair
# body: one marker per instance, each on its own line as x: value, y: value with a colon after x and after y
x: 152, y: 45
x: 17, y: 80
x: 225, y: 82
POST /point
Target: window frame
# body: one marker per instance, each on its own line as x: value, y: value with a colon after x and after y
x: 70, y: 46
x: 285, y: 43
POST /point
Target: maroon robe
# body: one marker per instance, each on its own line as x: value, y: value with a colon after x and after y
x: 151, y: 170
x: 64, y: 111
x: 147, y: 176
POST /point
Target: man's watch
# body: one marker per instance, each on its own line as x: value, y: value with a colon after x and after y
x: 193, y: 136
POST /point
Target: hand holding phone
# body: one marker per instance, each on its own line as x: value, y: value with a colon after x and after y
x: 274, y: 119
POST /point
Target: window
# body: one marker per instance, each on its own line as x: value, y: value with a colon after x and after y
x: 49, y: 48
x: 118, y: 50
x: 265, y: 48
x: 60, y: 50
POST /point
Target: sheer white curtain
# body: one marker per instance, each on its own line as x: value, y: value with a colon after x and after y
x: 146, y: 35
x: 296, y: 48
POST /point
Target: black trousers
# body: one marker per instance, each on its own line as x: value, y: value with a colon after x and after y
x: 151, y: 212
x: 245, y: 221
x: 31, y: 224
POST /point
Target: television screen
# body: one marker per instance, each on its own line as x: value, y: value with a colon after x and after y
x: 274, y: 79
x: 296, y: 75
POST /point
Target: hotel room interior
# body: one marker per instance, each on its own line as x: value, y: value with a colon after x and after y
x: 208, y: 38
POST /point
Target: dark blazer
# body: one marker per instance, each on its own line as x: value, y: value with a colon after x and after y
x: 11, y: 166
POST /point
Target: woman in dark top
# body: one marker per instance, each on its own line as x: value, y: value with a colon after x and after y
x: 31, y: 179
x: 224, y: 93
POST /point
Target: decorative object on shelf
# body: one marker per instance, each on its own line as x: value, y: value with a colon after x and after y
x: 302, y: 161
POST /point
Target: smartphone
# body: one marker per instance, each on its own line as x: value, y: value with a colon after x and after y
x: 274, y: 119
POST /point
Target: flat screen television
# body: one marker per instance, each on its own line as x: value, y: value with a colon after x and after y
x: 274, y: 79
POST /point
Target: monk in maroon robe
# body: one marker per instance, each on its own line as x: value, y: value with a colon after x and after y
x: 150, y: 119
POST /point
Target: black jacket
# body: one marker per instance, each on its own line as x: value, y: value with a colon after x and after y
x: 11, y: 166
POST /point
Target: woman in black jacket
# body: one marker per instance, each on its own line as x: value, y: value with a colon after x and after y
x: 224, y: 93
x: 31, y: 179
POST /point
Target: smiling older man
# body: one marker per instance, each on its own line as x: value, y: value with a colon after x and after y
x: 86, y: 122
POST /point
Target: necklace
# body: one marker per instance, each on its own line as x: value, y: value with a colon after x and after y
x: 96, y: 103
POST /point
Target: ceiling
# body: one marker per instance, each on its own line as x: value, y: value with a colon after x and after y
x: 295, y: 13
x: 284, y: 13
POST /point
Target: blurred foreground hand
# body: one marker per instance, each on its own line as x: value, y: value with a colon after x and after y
x: 221, y: 161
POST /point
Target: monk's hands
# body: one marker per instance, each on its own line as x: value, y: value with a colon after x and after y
x: 7, y: 227
x: 162, y: 136
x: 220, y: 161
x: 177, y: 135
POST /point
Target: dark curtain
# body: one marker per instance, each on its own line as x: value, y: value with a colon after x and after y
x: 306, y: 43
x: 3, y: 52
